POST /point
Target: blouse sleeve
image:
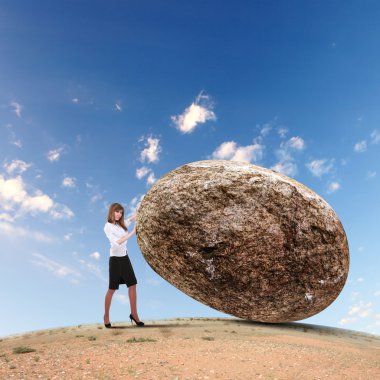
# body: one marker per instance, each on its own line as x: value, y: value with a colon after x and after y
x: 111, y: 236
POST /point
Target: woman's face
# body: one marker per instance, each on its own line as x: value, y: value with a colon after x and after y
x: 118, y: 214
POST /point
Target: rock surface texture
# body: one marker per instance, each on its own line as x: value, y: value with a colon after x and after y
x: 244, y: 240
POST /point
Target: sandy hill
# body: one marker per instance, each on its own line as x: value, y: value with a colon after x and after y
x: 191, y: 348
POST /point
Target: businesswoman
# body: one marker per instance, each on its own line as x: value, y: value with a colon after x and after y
x: 120, y: 267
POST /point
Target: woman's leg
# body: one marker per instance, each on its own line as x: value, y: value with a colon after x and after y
x: 107, y: 305
x: 133, y: 301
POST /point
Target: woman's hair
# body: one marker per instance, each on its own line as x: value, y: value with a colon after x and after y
x: 111, y: 215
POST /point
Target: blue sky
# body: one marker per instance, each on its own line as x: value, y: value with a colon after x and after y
x: 99, y: 99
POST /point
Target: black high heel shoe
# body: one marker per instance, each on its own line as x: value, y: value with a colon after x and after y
x: 107, y: 325
x: 137, y: 323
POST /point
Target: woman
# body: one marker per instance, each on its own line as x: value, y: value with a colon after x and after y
x: 120, y: 267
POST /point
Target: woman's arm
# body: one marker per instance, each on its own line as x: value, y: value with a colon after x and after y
x: 133, y: 217
x: 127, y: 236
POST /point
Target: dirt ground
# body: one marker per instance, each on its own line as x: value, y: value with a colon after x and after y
x: 192, y: 348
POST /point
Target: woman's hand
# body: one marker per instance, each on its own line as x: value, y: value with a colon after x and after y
x: 133, y: 217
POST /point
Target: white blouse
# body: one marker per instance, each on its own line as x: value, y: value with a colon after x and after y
x: 114, y: 232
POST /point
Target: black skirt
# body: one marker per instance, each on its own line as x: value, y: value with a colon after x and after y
x: 121, y: 272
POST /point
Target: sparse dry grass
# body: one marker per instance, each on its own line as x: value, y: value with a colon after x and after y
x: 192, y: 349
x: 23, y: 350
x: 140, y: 340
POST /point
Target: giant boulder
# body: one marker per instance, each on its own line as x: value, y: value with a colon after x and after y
x: 244, y: 240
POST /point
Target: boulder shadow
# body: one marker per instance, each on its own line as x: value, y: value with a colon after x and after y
x: 305, y: 327
x: 156, y: 325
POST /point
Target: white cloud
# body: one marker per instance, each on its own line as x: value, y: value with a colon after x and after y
x: 282, y: 132
x: 96, y: 197
x: 39, y: 202
x: 225, y: 151
x: 363, y: 310
x: 17, y: 166
x: 60, y: 211
x: 296, y: 143
x: 12, y: 192
x: 283, y: 153
x: 151, y: 179
x: 142, y: 172
x: 333, y: 186
x: 16, y: 142
x: 360, y: 146
x: 68, y: 236
x: 249, y: 153
x: 365, y: 313
x: 375, y: 137
x: 54, y: 154
x: 346, y: 321
x: 353, y: 310
x: 377, y: 294
x: 94, y: 192
x: 118, y: 107
x: 95, y: 255
x: 360, y: 279
x: 266, y: 128
x: 229, y: 150
x: 13, y: 138
x: 134, y: 204
x: 75, y: 100
x: 6, y: 217
x: 11, y: 231
x: 152, y: 150
x: 121, y: 298
x: 355, y: 295
x: 360, y: 310
x: 68, y: 182
x: 58, y: 269
x: 198, y: 112
x: 286, y: 164
x: 287, y: 168
x: 95, y: 269
x: 320, y: 167
x: 371, y: 174
x: 16, y: 108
